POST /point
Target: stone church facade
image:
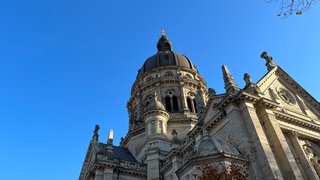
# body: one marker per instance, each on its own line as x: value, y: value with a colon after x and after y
x: 177, y: 123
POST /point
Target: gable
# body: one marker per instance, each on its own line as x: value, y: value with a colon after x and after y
x: 88, y: 161
x: 278, y: 86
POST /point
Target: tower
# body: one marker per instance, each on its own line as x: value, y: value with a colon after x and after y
x: 167, y: 96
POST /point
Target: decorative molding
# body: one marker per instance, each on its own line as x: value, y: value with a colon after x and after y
x: 296, y: 121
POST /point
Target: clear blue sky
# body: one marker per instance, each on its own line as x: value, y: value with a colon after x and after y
x: 67, y: 65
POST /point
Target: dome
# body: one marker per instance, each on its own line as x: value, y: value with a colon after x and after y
x: 165, y: 57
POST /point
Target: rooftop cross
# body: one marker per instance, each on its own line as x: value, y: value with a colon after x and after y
x: 163, y: 32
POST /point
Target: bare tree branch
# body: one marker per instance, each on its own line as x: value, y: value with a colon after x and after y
x: 289, y: 7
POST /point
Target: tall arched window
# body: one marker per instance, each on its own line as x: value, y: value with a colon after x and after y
x: 171, y: 103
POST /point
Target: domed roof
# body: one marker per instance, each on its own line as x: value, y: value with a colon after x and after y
x: 165, y: 57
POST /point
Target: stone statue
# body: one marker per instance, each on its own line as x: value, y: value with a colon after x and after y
x: 95, y: 132
x: 269, y: 60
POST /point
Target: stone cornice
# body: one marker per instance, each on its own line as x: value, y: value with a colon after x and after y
x: 289, y: 129
x: 227, y: 99
x: 155, y: 112
x: 215, y: 120
x: 137, y: 169
x: 188, y: 144
x: 166, y: 80
x: 268, y: 103
x: 297, y: 121
x: 247, y: 97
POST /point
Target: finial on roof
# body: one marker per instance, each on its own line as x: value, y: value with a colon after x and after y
x: 164, y: 43
x: 110, y: 138
x: 229, y: 83
x: 95, y: 133
x: 269, y: 60
x: 247, y: 78
x: 163, y: 33
x: 251, y: 87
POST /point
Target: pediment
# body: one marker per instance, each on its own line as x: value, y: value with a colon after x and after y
x: 278, y: 86
x: 89, y: 159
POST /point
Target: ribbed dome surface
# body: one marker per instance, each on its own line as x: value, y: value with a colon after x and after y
x: 166, y: 58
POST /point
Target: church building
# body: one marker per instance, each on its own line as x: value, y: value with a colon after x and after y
x: 178, y: 125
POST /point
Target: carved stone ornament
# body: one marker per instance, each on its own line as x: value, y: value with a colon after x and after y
x: 286, y: 96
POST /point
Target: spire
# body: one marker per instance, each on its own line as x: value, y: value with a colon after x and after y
x: 269, y: 60
x: 95, y: 136
x: 110, y: 144
x: 164, y: 43
x: 229, y: 83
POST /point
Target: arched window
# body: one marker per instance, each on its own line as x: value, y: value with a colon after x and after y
x: 172, y: 103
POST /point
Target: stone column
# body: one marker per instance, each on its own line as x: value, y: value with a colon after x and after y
x: 183, y: 99
x: 280, y: 145
x: 307, y: 167
x: 108, y: 174
x: 267, y: 166
x: 140, y: 107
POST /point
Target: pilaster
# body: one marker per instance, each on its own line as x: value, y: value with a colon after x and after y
x: 108, y: 174
x: 153, y: 164
x: 176, y: 163
x: 280, y: 145
x: 267, y: 165
x: 99, y: 175
x: 307, y: 167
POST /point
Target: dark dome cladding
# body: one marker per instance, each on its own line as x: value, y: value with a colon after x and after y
x: 165, y: 57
